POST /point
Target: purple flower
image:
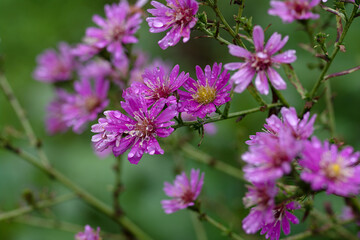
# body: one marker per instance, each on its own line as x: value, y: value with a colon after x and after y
x: 76, y: 110
x: 209, y: 91
x: 137, y: 131
x: 290, y: 10
x: 54, y: 115
x: 261, y: 62
x: 261, y: 197
x: 117, y: 29
x: 159, y: 85
x: 271, y: 158
x: 184, y: 191
x: 179, y: 16
x: 54, y: 67
x: 300, y: 129
x: 88, y: 234
x: 281, y: 220
x: 325, y: 167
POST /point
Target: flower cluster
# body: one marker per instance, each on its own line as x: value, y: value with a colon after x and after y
x: 270, y: 156
x: 151, y: 106
x: 273, y: 154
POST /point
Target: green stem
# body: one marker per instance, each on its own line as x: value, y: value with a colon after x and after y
x: 230, y: 115
x: 330, y: 109
x: 219, y: 226
x: 280, y: 96
x: 117, y: 187
x: 331, y: 58
x: 240, y: 11
x: 20, y: 112
x: 39, y: 205
x: 236, y: 37
x: 198, y: 227
x: 82, y: 193
x: 61, y: 225
x: 202, y: 157
x: 217, y: 36
x: 252, y: 90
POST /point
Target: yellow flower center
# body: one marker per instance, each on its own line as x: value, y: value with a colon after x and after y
x: 334, y: 170
x: 205, y: 94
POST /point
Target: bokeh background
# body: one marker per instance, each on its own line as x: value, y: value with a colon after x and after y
x: 27, y: 27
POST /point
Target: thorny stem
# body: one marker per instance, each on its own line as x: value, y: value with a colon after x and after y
x: 82, y: 193
x: 39, y: 205
x: 230, y: 115
x: 20, y: 112
x: 202, y: 157
x: 236, y: 37
x: 331, y: 59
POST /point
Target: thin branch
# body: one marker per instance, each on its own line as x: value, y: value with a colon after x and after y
x: 39, y: 205
x: 62, y: 225
x: 202, y: 157
x: 20, y: 112
x: 231, y: 115
x: 82, y: 193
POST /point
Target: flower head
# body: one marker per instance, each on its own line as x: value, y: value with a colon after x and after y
x: 300, y: 129
x: 325, y: 167
x: 160, y: 85
x: 210, y: 90
x: 271, y: 158
x: 88, y: 234
x: 55, y: 67
x: 179, y: 16
x: 116, y: 29
x: 261, y: 62
x: 290, y: 10
x: 77, y: 109
x: 281, y: 220
x: 137, y: 131
x: 184, y: 191
x: 261, y: 197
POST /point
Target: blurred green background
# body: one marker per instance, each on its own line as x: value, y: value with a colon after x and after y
x: 27, y: 27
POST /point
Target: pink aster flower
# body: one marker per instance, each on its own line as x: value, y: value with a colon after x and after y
x: 54, y: 67
x: 282, y: 219
x: 290, y: 10
x: 88, y: 234
x: 179, y: 16
x: 210, y: 90
x: 137, y: 131
x: 271, y: 158
x: 184, y: 191
x: 261, y: 62
x: 301, y: 129
x: 76, y: 110
x: 159, y: 85
x: 117, y: 29
x: 326, y: 167
x: 261, y: 197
